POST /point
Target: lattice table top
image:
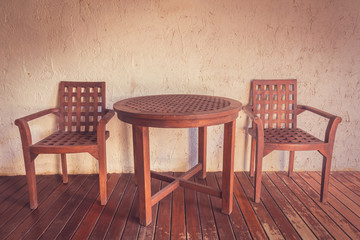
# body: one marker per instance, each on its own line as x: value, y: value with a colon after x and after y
x: 176, y: 107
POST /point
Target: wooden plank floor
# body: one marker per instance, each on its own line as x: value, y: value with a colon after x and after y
x: 290, y: 209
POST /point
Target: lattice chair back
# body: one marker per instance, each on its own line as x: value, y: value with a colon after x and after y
x: 274, y: 101
x: 82, y: 104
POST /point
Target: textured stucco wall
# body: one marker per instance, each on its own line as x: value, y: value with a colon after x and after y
x: 210, y: 47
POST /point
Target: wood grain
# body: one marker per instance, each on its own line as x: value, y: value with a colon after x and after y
x: 82, y: 118
x: 179, y: 111
x: 273, y: 111
x: 287, y: 205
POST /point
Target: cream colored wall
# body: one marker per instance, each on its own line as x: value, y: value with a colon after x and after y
x: 210, y: 47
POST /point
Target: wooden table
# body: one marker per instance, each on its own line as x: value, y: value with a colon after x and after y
x: 179, y: 111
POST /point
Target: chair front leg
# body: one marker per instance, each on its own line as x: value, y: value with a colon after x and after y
x: 31, y: 178
x: 259, y: 158
x: 29, y: 158
x: 64, y: 168
x: 291, y: 163
x: 103, y: 174
x: 258, y: 172
x: 101, y: 141
x: 327, y: 153
x: 325, y: 175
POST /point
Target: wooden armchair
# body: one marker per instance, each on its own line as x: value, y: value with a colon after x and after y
x: 274, y: 113
x: 82, y: 119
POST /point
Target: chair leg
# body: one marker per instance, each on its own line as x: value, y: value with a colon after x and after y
x: 64, y: 168
x: 103, y: 176
x: 325, y: 178
x: 291, y: 163
x: 202, y: 132
x: 31, y: 179
x: 252, y: 156
x: 258, y: 172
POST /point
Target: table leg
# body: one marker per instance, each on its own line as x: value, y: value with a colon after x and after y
x: 202, y: 135
x: 228, y: 167
x: 142, y: 172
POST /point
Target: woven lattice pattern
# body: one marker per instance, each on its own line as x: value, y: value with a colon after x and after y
x: 289, y: 135
x: 82, y: 104
x: 274, y: 102
x: 69, y: 139
x: 177, y: 104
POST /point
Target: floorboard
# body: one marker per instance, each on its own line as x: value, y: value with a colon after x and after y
x: 348, y: 180
x: 33, y: 216
x: 306, y: 214
x: 40, y: 224
x: 69, y: 209
x: 268, y: 224
x: 17, y: 201
x: 163, y: 222
x: 344, y: 190
x: 289, y: 209
x: 206, y: 214
x: 77, y: 218
x: 117, y: 226
x: 107, y: 215
x: 237, y: 220
x: 178, y: 226
x: 148, y: 232
x: 287, y: 230
x: 222, y: 221
x: 337, y: 225
x: 291, y: 213
x: 87, y: 225
x: 341, y: 207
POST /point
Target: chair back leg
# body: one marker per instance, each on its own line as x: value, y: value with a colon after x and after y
x: 64, y: 168
x: 291, y: 163
x: 202, y: 136
x: 252, y: 156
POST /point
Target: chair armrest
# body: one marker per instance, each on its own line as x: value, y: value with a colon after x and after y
x: 24, y: 128
x: 249, y: 112
x: 332, y: 124
x: 302, y: 108
x: 36, y: 115
x: 248, y: 109
x: 107, y: 117
x: 102, y: 123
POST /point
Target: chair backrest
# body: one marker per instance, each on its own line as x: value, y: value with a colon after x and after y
x: 274, y: 101
x: 82, y: 104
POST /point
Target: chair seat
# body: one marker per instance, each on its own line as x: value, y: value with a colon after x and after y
x: 283, y: 138
x: 61, y: 142
x: 289, y: 135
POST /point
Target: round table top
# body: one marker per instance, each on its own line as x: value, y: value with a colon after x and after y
x: 177, y: 110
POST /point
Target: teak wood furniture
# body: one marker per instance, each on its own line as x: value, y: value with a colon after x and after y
x: 82, y: 119
x: 273, y: 111
x: 179, y: 111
